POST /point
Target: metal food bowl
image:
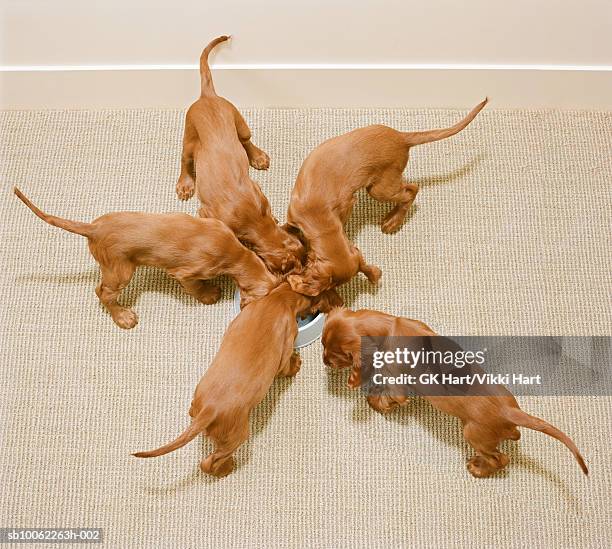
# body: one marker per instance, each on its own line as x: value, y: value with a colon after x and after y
x: 310, y: 328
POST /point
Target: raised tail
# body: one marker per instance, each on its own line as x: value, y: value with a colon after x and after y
x: 84, y: 229
x: 206, y: 82
x: 522, y: 419
x: 418, y: 138
x: 196, y: 427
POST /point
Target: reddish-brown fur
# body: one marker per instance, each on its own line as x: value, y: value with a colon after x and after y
x: 487, y: 420
x: 256, y: 348
x: 191, y: 250
x: 217, y: 151
x: 373, y: 158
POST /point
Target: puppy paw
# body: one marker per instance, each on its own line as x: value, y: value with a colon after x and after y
x: 294, y: 365
x: 126, y: 319
x: 185, y: 189
x: 381, y: 403
x: 391, y: 224
x: 259, y: 160
x: 477, y: 469
x: 374, y: 273
x: 210, y: 295
x: 481, y: 466
x: 217, y: 468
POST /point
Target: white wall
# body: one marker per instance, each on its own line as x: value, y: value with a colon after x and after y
x: 439, y: 36
x: 80, y: 32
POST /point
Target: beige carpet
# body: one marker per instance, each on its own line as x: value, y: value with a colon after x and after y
x: 511, y: 235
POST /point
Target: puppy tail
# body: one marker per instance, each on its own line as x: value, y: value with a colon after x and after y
x: 84, y: 229
x: 418, y: 138
x: 522, y: 419
x: 206, y: 82
x: 196, y: 427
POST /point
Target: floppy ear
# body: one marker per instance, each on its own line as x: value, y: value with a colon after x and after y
x: 354, y: 379
x: 292, y: 262
x: 302, y: 285
x: 296, y: 248
x: 278, y: 261
x: 309, y: 285
x: 326, y: 301
x: 290, y: 229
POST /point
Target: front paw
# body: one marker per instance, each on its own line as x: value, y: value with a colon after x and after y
x: 373, y: 274
x: 381, y: 403
x: 484, y: 466
x: 126, y: 319
x: 185, y: 189
x: 210, y: 295
x: 392, y: 224
x: 217, y: 467
x: 479, y: 468
x: 294, y: 365
x: 260, y: 161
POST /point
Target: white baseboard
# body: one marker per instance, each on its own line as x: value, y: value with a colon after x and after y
x: 300, y: 86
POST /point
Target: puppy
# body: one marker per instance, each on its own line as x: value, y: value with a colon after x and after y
x: 373, y: 158
x: 487, y: 420
x: 217, y: 151
x: 256, y: 348
x: 191, y: 250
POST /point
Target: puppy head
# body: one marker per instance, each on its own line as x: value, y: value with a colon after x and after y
x: 308, y: 284
x: 322, y: 303
x: 260, y: 287
x: 285, y: 254
x: 315, y: 279
x: 296, y: 252
x: 326, y: 301
x: 341, y: 345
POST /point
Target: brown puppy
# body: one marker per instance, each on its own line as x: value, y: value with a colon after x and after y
x: 191, y: 250
x: 487, y: 420
x: 373, y: 158
x: 217, y: 150
x: 257, y: 347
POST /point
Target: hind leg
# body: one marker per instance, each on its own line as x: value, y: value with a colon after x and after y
x: 372, y: 272
x: 488, y: 459
x: 391, y: 187
x: 113, y: 281
x: 221, y: 462
x: 185, y: 186
x: 201, y: 290
x: 258, y: 159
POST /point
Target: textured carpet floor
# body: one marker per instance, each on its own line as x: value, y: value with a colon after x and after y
x: 511, y: 235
